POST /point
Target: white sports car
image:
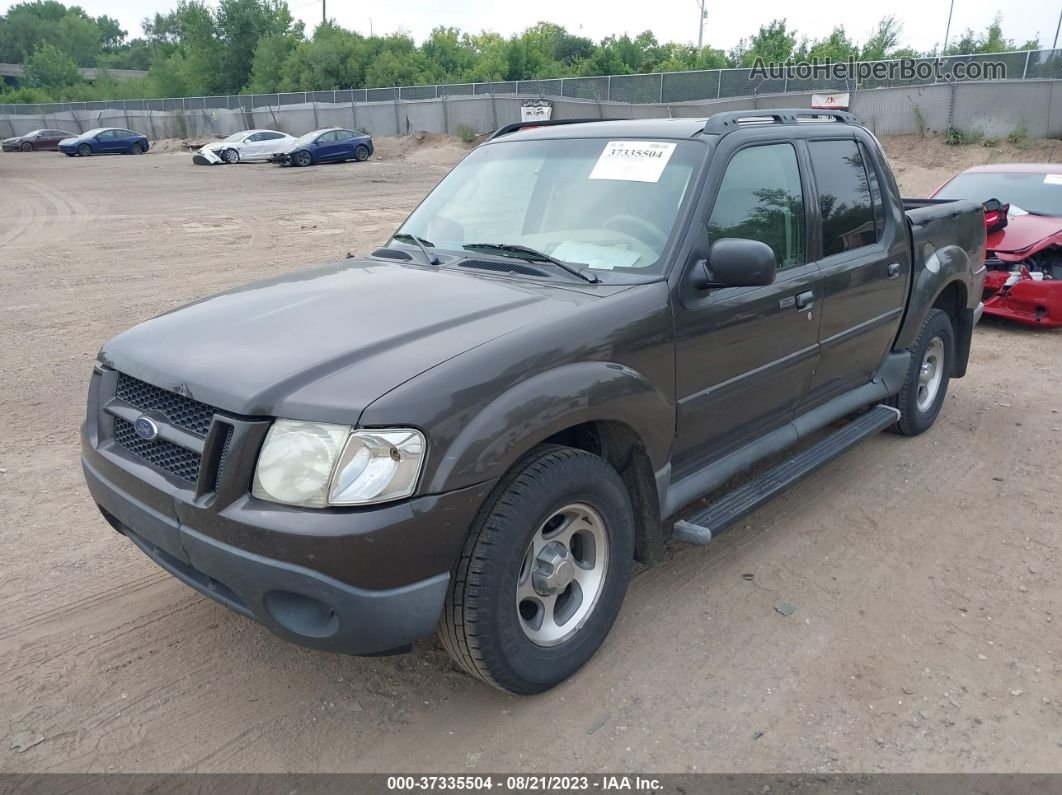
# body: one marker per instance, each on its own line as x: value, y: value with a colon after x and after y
x: 248, y: 145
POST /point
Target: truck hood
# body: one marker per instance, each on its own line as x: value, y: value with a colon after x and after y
x: 321, y: 344
x: 1023, y: 231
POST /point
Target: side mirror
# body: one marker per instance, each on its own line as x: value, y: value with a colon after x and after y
x: 737, y: 262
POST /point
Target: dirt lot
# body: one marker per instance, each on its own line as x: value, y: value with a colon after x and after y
x: 925, y: 573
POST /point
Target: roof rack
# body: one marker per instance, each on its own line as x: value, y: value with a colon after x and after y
x: 526, y: 125
x: 723, y: 123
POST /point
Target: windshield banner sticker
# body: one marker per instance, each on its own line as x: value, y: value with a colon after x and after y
x: 633, y: 161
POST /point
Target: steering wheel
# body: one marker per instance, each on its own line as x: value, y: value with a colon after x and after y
x: 651, y: 234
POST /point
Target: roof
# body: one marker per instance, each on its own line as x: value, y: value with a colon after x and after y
x: 618, y: 128
x: 1015, y: 168
x: 717, y: 124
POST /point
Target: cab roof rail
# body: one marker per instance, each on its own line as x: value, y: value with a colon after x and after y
x: 728, y: 121
x: 526, y: 125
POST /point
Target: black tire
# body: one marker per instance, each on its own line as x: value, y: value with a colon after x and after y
x: 481, y: 627
x: 84, y: 150
x: 302, y: 158
x: 361, y: 153
x: 136, y: 149
x: 917, y: 411
x: 26, y: 146
x: 230, y: 156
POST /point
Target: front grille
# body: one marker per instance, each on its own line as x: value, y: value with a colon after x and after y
x: 180, y: 411
x: 167, y: 456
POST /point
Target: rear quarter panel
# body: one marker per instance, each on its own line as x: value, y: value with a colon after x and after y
x: 947, y: 246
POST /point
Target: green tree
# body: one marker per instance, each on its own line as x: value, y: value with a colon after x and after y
x: 51, y: 68
x: 835, y: 47
x: 240, y: 25
x: 773, y: 42
x: 883, y: 41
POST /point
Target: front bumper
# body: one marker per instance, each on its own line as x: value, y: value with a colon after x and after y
x: 303, y: 574
x: 206, y: 157
x: 1030, y: 302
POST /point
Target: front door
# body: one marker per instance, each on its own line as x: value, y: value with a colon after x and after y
x: 745, y: 355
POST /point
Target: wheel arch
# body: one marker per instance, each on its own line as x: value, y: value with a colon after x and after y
x: 604, y: 408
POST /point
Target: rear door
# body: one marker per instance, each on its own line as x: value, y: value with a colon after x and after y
x: 745, y: 355
x: 862, y: 245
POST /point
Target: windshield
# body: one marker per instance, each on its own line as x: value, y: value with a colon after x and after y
x: 1035, y: 193
x: 236, y: 137
x: 308, y: 138
x: 606, y: 205
x: 94, y: 132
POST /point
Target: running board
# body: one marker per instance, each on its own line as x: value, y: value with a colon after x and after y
x: 703, y: 525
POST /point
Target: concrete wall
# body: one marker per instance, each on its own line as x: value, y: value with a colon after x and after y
x: 994, y: 108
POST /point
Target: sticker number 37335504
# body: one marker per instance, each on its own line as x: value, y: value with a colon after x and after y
x: 634, y: 161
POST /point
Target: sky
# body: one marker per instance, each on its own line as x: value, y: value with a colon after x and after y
x: 924, y: 21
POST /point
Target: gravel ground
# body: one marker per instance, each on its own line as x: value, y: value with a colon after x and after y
x: 924, y: 573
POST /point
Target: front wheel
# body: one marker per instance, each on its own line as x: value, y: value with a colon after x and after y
x: 230, y: 156
x: 136, y: 149
x: 84, y: 150
x: 26, y: 147
x: 302, y: 158
x: 361, y: 153
x: 932, y: 360
x: 543, y: 572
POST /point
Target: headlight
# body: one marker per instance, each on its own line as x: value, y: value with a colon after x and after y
x: 316, y: 464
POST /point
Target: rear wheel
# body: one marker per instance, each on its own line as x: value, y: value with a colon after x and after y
x: 926, y: 385
x: 361, y: 153
x: 26, y: 146
x: 84, y: 150
x: 543, y: 572
x: 302, y: 158
x: 230, y: 156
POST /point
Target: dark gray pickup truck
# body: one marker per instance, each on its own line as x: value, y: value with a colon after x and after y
x: 582, y: 330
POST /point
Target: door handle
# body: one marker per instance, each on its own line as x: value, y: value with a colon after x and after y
x: 805, y: 300
x: 894, y: 270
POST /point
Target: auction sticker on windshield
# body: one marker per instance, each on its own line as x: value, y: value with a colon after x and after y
x: 633, y: 161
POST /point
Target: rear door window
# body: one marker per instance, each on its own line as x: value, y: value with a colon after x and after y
x: 844, y: 191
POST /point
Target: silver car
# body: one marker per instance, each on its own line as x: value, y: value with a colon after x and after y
x: 247, y: 146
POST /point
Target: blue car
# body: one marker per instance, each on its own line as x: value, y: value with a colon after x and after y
x: 104, y: 141
x: 333, y: 145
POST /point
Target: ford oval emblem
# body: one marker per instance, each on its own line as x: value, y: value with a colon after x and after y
x: 146, y: 428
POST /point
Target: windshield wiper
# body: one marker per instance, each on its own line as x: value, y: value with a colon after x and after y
x: 532, y: 255
x: 422, y: 244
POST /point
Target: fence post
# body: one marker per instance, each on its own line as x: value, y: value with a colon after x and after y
x: 719, y: 84
x: 493, y: 105
x: 398, y: 126
x: 1025, y: 71
x: 353, y: 110
x: 314, y: 98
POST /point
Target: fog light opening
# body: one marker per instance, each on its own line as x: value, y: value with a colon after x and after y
x: 301, y: 615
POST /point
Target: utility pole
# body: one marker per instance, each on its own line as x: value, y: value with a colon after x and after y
x: 1057, y: 27
x: 947, y: 30
x: 700, y: 26
x: 324, y: 11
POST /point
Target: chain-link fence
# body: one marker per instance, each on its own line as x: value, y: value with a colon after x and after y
x: 667, y: 87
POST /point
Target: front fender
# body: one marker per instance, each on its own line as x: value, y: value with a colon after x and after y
x: 547, y: 403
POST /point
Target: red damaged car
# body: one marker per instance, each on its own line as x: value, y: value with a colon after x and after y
x: 1024, y: 248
